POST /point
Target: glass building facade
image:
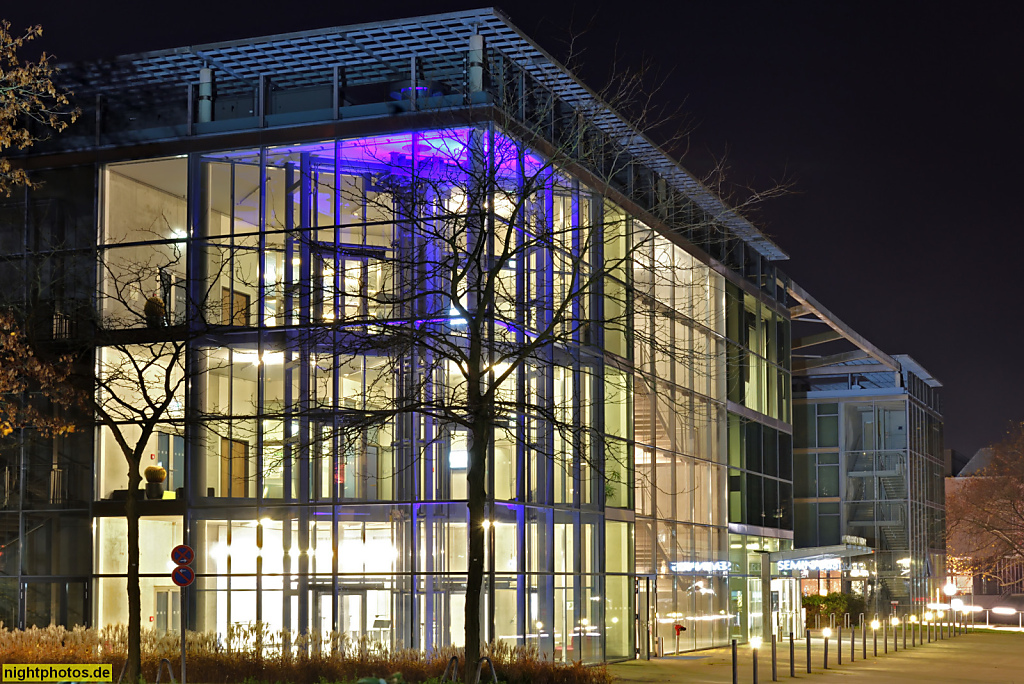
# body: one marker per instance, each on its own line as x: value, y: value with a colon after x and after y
x: 275, y: 215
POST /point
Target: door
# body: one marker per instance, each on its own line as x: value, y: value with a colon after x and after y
x: 234, y: 307
x: 645, y: 602
x: 168, y: 602
x: 352, y: 617
x: 234, y: 468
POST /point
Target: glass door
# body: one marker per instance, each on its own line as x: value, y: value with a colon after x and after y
x: 645, y: 588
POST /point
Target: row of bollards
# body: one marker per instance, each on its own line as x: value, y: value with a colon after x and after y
x: 918, y: 633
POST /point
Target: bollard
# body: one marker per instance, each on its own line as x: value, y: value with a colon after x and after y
x: 826, y: 633
x: 874, y: 633
x: 755, y: 664
x: 895, y: 640
x: 863, y: 637
x: 808, y: 651
x: 885, y: 638
x: 904, y: 628
x: 735, y: 670
x: 792, y: 656
x: 853, y: 644
x: 839, y: 645
x: 775, y: 670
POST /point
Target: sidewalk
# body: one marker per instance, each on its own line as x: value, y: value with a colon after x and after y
x: 974, y: 658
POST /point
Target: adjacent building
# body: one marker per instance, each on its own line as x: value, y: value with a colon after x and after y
x: 868, y: 462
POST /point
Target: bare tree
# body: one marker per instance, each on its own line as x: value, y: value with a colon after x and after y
x: 985, y: 514
x: 145, y: 337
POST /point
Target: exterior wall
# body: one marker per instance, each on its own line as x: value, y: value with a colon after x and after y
x: 47, y: 238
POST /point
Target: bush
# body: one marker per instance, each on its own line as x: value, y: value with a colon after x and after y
x: 253, y: 654
x: 835, y: 602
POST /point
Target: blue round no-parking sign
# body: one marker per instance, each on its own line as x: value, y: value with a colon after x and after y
x: 183, y: 555
x: 183, y: 575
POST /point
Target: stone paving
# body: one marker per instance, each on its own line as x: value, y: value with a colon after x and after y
x: 977, y: 657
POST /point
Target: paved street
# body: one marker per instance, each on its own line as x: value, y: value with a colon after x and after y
x: 969, y: 659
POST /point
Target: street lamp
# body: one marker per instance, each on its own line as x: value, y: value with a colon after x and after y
x: 755, y: 643
x: 949, y: 589
x: 875, y: 624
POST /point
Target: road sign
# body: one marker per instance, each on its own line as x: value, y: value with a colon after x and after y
x: 183, y: 555
x: 183, y: 575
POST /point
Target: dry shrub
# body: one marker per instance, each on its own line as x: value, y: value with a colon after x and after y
x: 255, y: 654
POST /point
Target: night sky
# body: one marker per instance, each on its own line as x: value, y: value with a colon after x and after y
x: 900, y: 125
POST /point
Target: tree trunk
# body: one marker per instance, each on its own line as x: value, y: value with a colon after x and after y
x: 134, y: 671
x: 477, y: 496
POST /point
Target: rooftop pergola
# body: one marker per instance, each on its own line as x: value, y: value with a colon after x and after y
x: 383, y: 52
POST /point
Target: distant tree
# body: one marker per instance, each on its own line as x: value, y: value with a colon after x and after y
x: 31, y: 105
x: 985, y: 513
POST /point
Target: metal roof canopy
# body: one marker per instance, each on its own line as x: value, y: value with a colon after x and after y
x: 381, y: 51
x: 822, y: 552
x: 811, y: 553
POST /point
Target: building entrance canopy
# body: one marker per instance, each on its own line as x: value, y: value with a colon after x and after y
x: 812, y: 558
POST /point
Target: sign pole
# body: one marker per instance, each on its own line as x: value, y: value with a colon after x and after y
x: 183, y: 575
x: 182, y: 622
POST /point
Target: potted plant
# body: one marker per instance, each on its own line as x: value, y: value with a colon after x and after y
x: 155, y: 476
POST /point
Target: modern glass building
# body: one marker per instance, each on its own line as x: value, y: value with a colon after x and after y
x: 277, y: 197
x: 868, y: 464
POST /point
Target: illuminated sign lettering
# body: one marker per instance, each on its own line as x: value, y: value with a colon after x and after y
x: 701, y: 567
x: 825, y: 564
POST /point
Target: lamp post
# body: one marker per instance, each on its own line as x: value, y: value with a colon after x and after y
x: 826, y: 633
x: 755, y: 643
x: 950, y: 591
x: 957, y: 606
x: 875, y: 624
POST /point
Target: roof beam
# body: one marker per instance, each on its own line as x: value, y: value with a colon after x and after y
x: 832, y: 321
x: 854, y: 369
x: 800, y: 365
x: 819, y: 338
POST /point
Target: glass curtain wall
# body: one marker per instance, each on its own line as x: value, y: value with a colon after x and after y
x: 276, y: 265
x: 679, y: 416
